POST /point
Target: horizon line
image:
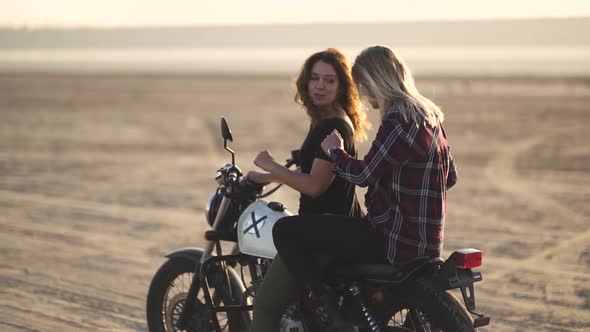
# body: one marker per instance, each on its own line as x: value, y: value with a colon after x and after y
x: 268, y: 24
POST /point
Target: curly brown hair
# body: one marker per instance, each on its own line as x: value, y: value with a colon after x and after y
x: 347, y: 98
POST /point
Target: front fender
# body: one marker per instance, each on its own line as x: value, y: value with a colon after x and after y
x: 193, y: 254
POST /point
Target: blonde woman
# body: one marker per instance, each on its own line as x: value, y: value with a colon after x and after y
x: 408, y: 171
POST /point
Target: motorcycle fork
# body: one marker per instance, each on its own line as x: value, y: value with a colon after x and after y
x: 194, y: 291
x: 196, y: 283
x: 205, y: 284
x: 220, y: 262
x: 191, y: 297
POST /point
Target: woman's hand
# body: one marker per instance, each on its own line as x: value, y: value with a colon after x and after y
x: 334, y: 139
x: 264, y: 160
x: 259, y: 177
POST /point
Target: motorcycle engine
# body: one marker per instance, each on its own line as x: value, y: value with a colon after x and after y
x: 291, y: 324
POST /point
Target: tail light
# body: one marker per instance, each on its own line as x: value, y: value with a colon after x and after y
x: 467, y: 258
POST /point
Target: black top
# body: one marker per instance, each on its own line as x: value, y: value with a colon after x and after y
x: 340, y: 197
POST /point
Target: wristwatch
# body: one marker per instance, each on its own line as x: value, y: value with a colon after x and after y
x: 331, y: 151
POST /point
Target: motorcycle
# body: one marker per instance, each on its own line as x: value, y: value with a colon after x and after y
x: 200, y: 290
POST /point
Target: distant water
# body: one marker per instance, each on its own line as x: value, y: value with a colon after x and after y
x: 505, y: 47
x: 562, y: 60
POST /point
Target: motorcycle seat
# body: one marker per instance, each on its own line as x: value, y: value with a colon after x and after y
x: 384, y: 272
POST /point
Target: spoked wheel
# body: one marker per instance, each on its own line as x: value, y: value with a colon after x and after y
x: 420, y: 309
x: 410, y: 320
x: 200, y: 319
x: 167, y: 296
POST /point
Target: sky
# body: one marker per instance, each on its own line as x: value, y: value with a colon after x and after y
x: 113, y: 13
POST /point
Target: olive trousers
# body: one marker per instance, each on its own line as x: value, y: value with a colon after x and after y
x: 278, y: 290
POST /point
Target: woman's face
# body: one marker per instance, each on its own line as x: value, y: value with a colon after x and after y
x: 323, y: 85
x: 366, y: 92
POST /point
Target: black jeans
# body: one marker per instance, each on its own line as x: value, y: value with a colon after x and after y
x: 303, y: 240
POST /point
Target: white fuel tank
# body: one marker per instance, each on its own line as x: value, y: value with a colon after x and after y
x: 255, y: 228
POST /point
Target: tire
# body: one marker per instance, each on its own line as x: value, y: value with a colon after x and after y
x: 167, y: 294
x: 411, y: 307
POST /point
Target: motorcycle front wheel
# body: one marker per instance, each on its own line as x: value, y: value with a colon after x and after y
x: 167, y: 295
x: 421, y: 309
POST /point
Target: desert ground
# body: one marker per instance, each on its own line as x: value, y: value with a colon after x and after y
x: 102, y: 174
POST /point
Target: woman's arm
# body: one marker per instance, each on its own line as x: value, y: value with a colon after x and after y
x: 390, y: 149
x: 313, y: 184
x: 259, y: 177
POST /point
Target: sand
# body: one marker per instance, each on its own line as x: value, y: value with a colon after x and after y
x: 101, y: 175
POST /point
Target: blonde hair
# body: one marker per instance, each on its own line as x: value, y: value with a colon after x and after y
x: 386, y: 75
x: 347, y: 98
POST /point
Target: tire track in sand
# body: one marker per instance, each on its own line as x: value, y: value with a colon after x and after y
x: 501, y: 172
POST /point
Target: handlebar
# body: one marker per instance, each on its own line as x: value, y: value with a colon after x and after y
x: 289, y: 162
x: 232, y: 177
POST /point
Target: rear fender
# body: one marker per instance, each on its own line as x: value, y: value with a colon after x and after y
x: 450, y: 277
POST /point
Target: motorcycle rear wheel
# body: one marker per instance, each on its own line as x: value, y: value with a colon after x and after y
x: 167, y: 295
x: 421, y: 309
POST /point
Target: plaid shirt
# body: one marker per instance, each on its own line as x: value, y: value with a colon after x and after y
x: 408, y: 170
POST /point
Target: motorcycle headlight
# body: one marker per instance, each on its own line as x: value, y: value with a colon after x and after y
x: 212, y: 207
